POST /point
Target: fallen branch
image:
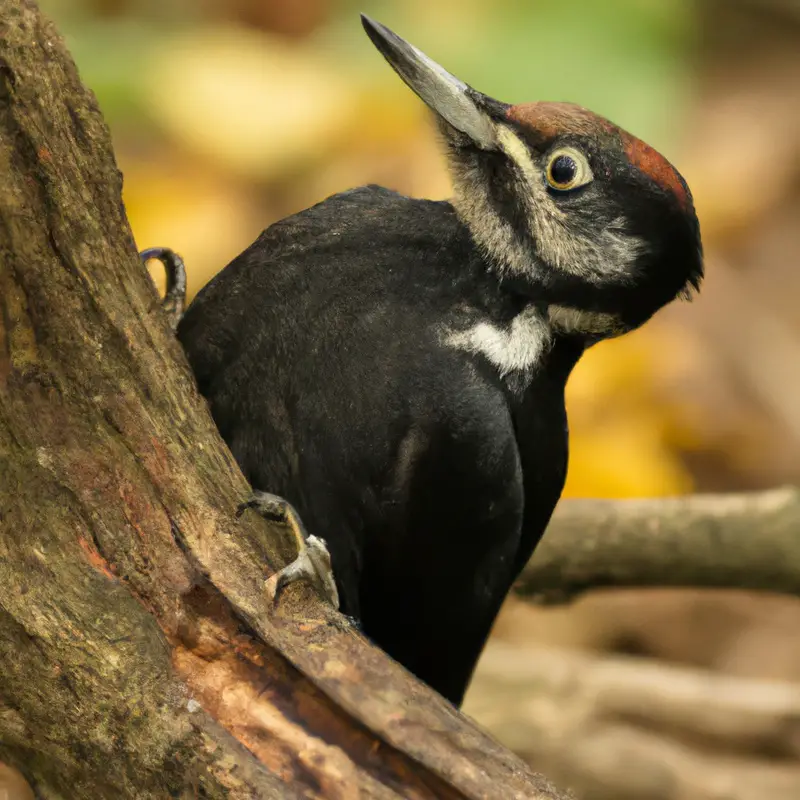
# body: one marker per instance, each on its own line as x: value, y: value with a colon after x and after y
x: 631, y: 728
x: 743, y: 541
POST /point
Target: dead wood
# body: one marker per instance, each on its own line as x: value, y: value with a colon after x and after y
x: 621, y: 728
x: 736, y: 541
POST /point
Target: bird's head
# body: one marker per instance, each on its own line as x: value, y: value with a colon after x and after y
x: 566, y: 206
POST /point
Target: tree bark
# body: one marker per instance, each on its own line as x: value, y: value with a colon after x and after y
x: 140, y: 655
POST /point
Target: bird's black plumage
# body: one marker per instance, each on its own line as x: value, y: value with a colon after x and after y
x: 319, y: 352
x: 395, y: 368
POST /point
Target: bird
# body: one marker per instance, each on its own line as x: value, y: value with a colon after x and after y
x: 389, y: 372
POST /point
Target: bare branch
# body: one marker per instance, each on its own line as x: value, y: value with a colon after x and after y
x: 742, y: 541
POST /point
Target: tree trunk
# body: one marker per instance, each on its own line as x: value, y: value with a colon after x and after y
x: 140, y: 653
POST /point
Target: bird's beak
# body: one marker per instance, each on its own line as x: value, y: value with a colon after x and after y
x: 454, y: 101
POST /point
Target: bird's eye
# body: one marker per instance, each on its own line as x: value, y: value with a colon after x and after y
x: 567, y: 169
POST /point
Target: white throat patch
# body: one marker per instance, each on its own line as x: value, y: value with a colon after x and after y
x: 517, y: 348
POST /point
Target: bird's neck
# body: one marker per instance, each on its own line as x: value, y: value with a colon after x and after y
x: 567, y: 310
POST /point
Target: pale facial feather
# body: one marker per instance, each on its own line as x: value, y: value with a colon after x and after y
x: 612, y: 255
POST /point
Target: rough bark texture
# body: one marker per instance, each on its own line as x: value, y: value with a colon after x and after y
x: 140, y: 655
x: 747, y: 541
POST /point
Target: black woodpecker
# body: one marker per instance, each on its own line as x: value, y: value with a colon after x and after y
x: 394, y: 368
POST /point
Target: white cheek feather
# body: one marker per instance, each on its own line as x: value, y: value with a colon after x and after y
x: 493, y: 234
x: 517, y: 348
x: 612, y: 256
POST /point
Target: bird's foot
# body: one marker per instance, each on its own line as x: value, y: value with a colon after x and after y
x: 269, y: 506
x: 313, y: 562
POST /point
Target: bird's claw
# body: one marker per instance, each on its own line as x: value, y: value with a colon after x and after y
x: 269, y: 506
x: 313, y: 562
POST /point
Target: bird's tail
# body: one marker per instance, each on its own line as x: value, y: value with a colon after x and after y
x: 174, y: 301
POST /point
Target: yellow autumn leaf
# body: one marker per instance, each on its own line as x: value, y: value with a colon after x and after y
x: 624, y: 458
x: 251, y: 102
x: 626, y: 432
x: 204, y: 218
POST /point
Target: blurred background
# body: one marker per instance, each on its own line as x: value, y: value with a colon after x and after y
x: 230, y: 114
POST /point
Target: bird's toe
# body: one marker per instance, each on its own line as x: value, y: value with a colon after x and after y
x: 313, y: 564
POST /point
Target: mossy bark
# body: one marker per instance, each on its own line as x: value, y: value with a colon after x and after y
x: 140, y: 654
